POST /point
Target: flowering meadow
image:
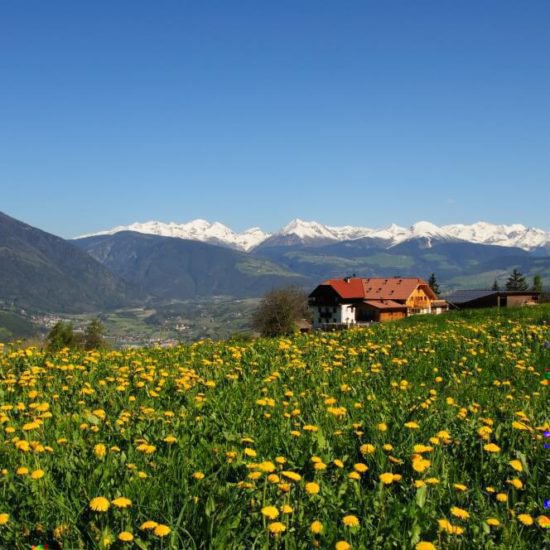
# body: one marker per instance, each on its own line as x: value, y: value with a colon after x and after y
x: 424, y: 433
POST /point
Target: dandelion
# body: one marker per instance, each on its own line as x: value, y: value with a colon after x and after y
x: 125, y: 536
x: 492, y: 522
x: 424, y: 545
x: 342, y: 545
x: 460, y: 487
x: 162, y: 530
x: 350, y: 521
x: 386, y: 478
x: 544, y: 522
x: 459, y: 513
x: 121, y: 502
x: 367, y: 449
x: 37, y: 474
x: 517, y: 465
x: 502, y: 497
x: 4, y: 518
x: 516, y: 483
x: 198, y: 475
x: 316, y: 527
x: 148, y: 525
x: 100, y: 450
x: 270, y: 512
x: 312, y: 488
x: 276, y: 527
x: 491, y: 448
x: 360, y: 467
x: 526, y: 519
x: 99, y: 504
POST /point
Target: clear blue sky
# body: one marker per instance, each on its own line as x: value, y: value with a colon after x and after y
x: 256, y: 112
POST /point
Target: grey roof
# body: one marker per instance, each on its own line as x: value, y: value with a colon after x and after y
x: 463, y: 296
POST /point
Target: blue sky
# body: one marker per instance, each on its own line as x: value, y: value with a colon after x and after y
x: 255, y: 112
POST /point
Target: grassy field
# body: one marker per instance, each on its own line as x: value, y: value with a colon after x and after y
x: 416, y: 434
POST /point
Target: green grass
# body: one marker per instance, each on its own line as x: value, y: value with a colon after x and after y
x: 242, y: 412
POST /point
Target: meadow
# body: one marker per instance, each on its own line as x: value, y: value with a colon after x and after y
x: 427, y: 433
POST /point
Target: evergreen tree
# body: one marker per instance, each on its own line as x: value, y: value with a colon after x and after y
x: 93, y: 336
x: 537, y: 284
x: 495, y: 286
x: 434, y: 285
x: 516, y: 281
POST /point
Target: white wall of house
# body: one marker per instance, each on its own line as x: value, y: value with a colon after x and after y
x: 343, y: 313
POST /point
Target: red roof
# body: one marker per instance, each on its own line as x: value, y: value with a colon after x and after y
x: 384, y: 304
x: 391, y: 288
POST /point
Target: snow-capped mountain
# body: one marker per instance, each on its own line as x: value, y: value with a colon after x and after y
x: 196, y: 230
x: 300, y: 232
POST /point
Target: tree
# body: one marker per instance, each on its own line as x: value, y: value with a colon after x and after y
x: 516, y: 281
x: 93, y: 335
x: 277, y: 313
x: 434, y: 285
x: 495, y: 286
x: 537, y: 283
x: 61, y: 336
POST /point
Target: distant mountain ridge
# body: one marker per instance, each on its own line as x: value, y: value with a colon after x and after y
x: 312, y: 233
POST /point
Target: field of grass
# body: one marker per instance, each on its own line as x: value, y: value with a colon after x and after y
x: 417, y: 434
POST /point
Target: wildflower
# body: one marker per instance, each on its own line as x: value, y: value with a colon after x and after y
x: 460, y: 487
x: 100, y: 450
x: 148, y: 525
x: 286, y: 509
x: 516, y: 483
x: 491, y: 448
x: 125, y: 536
x: 249, y: 452
x: 517, y: 465
x: 37, y: 474
x: 423, y: 545
x: 412, y: 425
x: 4, y: 518
x: 446, y: 525
x: 360, y: 467
x: 420, y: 464
x: 526, y: 519
x: 276, y: 527
x: 162, y: 530
x: 121, y: 502
x: 459, y: 513
x: 382, y: 427
x: 312, y: 488
x: 386, y: 478
x: 342, y: 545
x: 350, y: 521
x: 292, y: 475
x: 493, y: 522
x: 367, y: 449
x: 22, y: 471
x: 170, y: 439
x: 270, y: 512
x: 316, y: 527
x: 502, y: 497
x: 354, y: 475
x: 544, y: 522
x: 99, y: 504
x: 198, y: 475
x: 338, y: 463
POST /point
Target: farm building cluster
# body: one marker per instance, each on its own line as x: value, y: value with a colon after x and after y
x: 357, y: 300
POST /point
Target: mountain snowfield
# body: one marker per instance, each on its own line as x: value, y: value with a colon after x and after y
x: 312, y: 232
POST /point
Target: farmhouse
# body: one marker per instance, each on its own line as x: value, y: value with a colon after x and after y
x: 492, y: 298
x: 361, y: 300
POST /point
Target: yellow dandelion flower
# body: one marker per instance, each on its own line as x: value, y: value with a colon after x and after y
x: 517, y: 465
x: 386, y: 478
x: 37, y: 474
x: 100, y: 450
x: 338, y: 463
x: 316, y: 527
x: 354, y: 475
x: 22, y: 471
x: 360, y: 467
x: 382, y: 427
x: 4, y: 518
x: 286, y: 509
x: 459, y: 512
x: 121, y: 502
x: 350, y: 521
x: 502, y: 497
x: 491, y: 448
x: 198, y: 475
x: 526, y: 519
x: 342, y: 545
x: 424, y: 545
x: 367, y: 449
x: 276, y: 527
x: 270, y: 512
x: 99, y: 504
x: 460, y: 487
x: 162, y: 530
x: 412, y: 425
x: 125, y: 536
x: 312, y: 488
x: 516, y: 483
x: 148, y: 525
x: 493, y: 522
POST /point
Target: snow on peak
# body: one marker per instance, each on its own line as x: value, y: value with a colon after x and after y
x: 514, y: 235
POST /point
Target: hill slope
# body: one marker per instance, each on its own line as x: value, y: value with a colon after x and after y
x: 175, y: 268
x: 43, y: 272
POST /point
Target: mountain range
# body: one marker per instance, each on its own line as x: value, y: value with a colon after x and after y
x: 311, y: 233
x: 156, y: 262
